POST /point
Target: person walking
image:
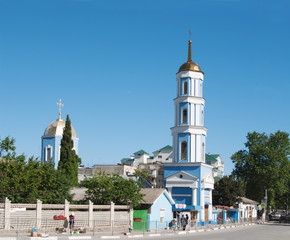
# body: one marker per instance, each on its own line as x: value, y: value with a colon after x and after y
x: 183, y: 222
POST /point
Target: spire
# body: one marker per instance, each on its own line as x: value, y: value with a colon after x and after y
x: 189, y: 51
x: 189, y: 47
x: 60, y: 105
x: 189, y: 65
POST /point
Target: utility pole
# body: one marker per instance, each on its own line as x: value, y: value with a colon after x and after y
x: 266, y: 197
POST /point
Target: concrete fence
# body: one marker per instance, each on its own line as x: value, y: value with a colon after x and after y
x: 20, y: 216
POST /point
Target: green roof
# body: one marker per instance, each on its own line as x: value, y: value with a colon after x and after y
x: 141, y: 152
x: 167, y: 147
x: 209, y: 157
x: 125, y: 160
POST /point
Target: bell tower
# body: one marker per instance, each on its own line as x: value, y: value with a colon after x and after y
x: 189, y: 133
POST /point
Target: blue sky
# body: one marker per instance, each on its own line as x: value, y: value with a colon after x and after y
x: 113, y: 64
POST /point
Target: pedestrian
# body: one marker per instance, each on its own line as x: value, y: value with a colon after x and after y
x: 183, y: 222
x: 71, y: 221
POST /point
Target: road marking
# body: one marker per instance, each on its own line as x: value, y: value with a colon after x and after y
x: 110, y: 237
x: 154, y: 235
x: 77, y: 237
x: 135, y: 236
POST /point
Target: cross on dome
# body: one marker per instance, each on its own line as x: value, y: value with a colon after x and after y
x: 60, y: 105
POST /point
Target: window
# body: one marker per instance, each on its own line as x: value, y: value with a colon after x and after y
x: 202, y: 117
x: 159, y: 156
x: 183, y: 150
x: 160, y: 172
x: 160, y: 180
x: 185, y: 88
x: 48, y: 153
x: 184, y: 116
x: 162, y: 215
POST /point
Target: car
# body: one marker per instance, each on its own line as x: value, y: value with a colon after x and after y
x: 275, y: 216
x: 284, y: 218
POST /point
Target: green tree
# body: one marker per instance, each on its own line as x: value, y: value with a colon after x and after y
x: 143, y: 175
x: 69, y: 160
x: 264, y: 164
x: 104, y: 188
x: 227, y: 191
x: 25, y: 181
x: 7, y: 145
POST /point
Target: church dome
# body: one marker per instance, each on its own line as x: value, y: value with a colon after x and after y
x: 56, y: 129
x: 189, y: 65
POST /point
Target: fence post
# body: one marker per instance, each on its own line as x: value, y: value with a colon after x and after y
x: 112, y: 227
x: 91, y: 214
x: 131, y: 216
x: 7, y: 206
x: 38, y: 213
x: 66, y: 208
x: 112, y: 214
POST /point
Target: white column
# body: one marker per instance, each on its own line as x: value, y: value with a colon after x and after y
x: 210, y: 206
x: 194, y: 202
x: 202, y: 203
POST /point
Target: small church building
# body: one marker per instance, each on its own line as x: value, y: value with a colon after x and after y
x: 51, y: 140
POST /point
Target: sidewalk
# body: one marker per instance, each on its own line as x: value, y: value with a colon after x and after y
x: 115, y: 235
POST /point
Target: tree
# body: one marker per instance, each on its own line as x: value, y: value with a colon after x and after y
x: 264, y: 164
x: 7, y: 145
x: 227, y: 191
x: 104, y: 188
x: 25, y: 181
x: 141, y: 176
x: 69, y: 160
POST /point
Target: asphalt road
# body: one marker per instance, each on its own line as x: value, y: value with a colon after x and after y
x: 268, y: 231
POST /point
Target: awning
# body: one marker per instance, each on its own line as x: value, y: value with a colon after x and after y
x: 186, y: 207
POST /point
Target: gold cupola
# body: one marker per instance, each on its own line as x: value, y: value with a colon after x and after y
x: 189, y: 65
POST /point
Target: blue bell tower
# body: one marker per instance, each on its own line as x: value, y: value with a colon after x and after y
x: 188, y: 178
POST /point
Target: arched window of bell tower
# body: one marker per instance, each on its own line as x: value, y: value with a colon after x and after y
x: 184, y: 116
x: 202, y: 118
x: 48, y: 153
x: 185, y: 88
x: 183, y: 155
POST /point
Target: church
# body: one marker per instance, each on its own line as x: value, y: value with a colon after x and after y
x: 51, y: 140
x: 188, y: 178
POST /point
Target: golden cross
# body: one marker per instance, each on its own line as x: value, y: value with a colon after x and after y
x: 60, y: 105
x: 189, y: 31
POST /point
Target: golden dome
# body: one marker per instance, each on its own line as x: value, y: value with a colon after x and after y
x: 189, y: 65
